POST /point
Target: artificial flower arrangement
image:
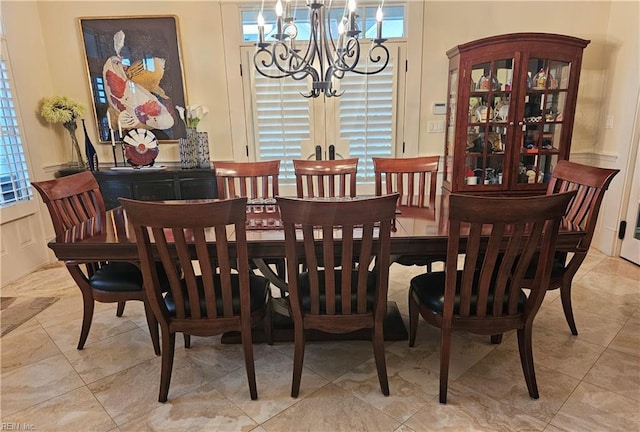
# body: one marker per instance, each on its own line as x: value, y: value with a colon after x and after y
x: 65, y: 110
x: 192, y: 114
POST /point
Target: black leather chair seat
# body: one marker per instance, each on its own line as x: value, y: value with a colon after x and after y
x: 259, y: 287
x: 117, y: 276
x: 417, y: 260
x: 430, y: 290
x: 305, y: 290
x: 123, y: 276
x: 557, y: 267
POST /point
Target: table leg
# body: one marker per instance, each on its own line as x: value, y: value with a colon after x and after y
x: 271, y: 275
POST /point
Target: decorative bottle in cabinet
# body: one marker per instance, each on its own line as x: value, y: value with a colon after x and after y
x: 510, y: 110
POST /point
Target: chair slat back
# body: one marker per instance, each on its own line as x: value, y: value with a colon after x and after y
x: 185, y: 231
x: 326, y: 178
x: 247, y: 179
x: 336, y: 234
x: 504, y: 235
x: 413, y: 178
x: 71, y: 200
x: 590, y: 183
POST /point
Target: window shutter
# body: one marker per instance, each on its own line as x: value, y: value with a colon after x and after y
x: 366, y: 116
x: 282, y: 122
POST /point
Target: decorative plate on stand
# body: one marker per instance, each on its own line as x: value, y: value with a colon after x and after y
x: 140, y: 147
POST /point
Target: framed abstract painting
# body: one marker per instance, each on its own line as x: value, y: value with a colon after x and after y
x: 135, y: 75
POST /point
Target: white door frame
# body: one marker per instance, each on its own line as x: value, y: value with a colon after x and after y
x: 630, y: 245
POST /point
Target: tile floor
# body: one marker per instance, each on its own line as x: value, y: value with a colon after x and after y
x: 587, y: 383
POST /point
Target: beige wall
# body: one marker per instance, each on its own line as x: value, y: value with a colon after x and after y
x: 46, y: 53
x: 615, y: 148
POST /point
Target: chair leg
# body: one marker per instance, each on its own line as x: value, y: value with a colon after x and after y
x: 168, y: 348
x: 526, y: 359
x: 87, y: 316
x: 120, y: 309
x: 496, y: 339
x: 298, y: 359
x: 247, y: 347
x: 414, y: 314
x: 445, y: 352
x: 153, y: 327
x: 565, y: 296
x: 378, y: 352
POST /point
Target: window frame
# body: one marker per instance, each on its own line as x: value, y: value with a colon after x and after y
x: 28, y: 206
x: 325, y: 115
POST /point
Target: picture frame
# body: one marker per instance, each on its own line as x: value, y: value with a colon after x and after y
x: 135, y: 75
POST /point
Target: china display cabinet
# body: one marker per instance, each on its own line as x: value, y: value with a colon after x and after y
x: 510, y: 110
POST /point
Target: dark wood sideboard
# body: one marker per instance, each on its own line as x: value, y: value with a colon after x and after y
x: 166, y: 184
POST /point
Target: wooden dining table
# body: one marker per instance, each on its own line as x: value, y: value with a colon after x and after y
x: 417, y: 232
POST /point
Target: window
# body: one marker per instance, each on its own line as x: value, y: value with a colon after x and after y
x: 14, y: 175
x: 361, y: 123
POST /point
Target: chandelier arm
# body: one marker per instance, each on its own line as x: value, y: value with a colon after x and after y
x: 350, y: 56
x: 327, y: 39
x: 262, y: 62
x: 319, y: 38
x: 265, y: 58
x: 333, y: 72
x: 384, y: 58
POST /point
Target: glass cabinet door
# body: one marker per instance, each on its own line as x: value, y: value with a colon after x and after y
x: 545, y: 99
x: 487, y: 125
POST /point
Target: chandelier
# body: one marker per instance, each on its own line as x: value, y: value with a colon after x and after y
x: 324, y: 58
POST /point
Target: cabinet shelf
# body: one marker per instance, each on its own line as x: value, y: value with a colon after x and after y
x: 539, y: 151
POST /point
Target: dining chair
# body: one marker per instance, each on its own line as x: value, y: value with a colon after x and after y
x: 247, y: 179
x: 210, y: 297
x: 326, y: 178
x: 590, y: 183
x: 485, y: 297
x: 332, y: 295
x: 415, y: 180
x: 72, y: 200
x: 253, y: 180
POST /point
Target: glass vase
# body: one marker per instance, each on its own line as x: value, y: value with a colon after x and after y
x: 76, y: 156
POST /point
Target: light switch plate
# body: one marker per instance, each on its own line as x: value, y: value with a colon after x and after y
x: 435, y: 126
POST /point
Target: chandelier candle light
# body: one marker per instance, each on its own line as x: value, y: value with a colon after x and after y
x: 323, y: 59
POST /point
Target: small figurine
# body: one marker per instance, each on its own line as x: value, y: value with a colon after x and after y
x: 540, y: 80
